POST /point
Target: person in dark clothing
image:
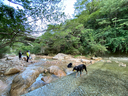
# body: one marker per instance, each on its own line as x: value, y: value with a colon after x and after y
x: 20, y: 55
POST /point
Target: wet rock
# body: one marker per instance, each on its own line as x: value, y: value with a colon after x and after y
x: 56, y: 71
x: 5, y: 90
x: 52, y: 69
x: 62, y: 87
x: 60, y: 73
x: 47, y: 79
x: 7, y: 80
x: 36, y: 85
x: 2, y: 86
x: 24, y: 80
x: 13, y: 70
x: 40, y: 69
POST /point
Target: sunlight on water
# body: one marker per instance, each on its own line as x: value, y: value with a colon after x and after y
x: 39, y: 77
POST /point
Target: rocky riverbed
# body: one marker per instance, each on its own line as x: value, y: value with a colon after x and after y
x: 18, y: 77
x: 104, y: 78
x: 50, y: 75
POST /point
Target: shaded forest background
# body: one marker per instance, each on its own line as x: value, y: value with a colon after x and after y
x: 99, y: 27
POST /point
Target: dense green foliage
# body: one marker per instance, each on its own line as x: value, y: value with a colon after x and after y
x: 18, y: 23
x: 101, y: 26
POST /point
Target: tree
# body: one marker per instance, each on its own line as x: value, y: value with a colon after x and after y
x: 64, y: 37
x: 15, y: 24
x: 100, y: 26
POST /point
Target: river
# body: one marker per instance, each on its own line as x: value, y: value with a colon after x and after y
x: 104, y: 78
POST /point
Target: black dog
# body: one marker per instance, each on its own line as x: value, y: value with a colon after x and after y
x: 80, y: 68
x: 69, y: 65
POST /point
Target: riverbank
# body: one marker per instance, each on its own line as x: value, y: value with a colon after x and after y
x: 20, y: 77
x: 103, y: 79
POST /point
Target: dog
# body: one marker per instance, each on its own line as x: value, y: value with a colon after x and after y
x: 69, y: 65
x: 80, y: 68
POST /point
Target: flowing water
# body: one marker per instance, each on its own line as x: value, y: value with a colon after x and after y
x: 104, y: 78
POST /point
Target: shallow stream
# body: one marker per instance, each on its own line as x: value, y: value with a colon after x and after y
x: 104, y: 78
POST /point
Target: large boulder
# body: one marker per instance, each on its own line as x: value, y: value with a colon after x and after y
x: 24, y: 80
x: 60, y: 73
x: 61, y: 56
x: 56, y: 71
x: 13, y: 70
x: 53, y: 69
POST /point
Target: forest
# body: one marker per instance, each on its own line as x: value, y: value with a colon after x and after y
x: 98, y: 27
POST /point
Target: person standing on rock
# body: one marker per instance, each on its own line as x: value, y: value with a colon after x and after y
x: 20, y: 55
x: 27, y: 55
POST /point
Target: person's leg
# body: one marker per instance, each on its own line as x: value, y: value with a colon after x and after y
x: 27, y: 58
x: 19, y: 57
